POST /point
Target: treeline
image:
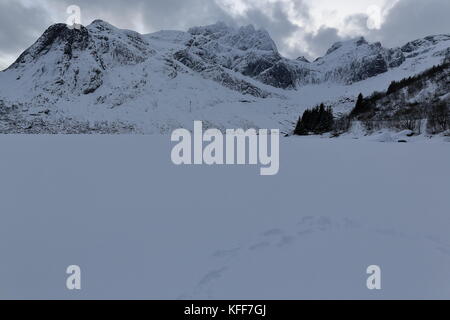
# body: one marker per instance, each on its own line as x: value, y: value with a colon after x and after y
x: 416, y: 81
x: 396, y: 108
x: 410, y: 116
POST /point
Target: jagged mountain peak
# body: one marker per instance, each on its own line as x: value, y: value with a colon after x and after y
x: 350, y: 44
x: 57, y: 35
x: 246, y: 50
x: 302, y: 59
x: 219, y: 28
x: 222, y: 27
x: 357, y: 59
x: 102, y: 26
x: 101, y: 22
x: 243, y: 38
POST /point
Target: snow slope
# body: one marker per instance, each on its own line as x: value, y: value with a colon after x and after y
x: 104, y: 79
x: 142, y: 228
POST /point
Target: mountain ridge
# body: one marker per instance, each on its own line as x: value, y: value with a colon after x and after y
x: 228, y: 76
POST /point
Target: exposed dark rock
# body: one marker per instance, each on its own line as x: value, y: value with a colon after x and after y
x: 280, y: 76
x: 303, y: 59
x: 57, y: 34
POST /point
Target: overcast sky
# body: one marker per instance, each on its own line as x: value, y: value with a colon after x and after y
x: 299, y: 27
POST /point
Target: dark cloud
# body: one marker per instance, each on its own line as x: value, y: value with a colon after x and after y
x: 413, y: 19
x: 181, y: 15
x: 153, y: 15
x: 407, y: 20
x: 320, y: 42
x: 277, y: 23
x: 20, y: 26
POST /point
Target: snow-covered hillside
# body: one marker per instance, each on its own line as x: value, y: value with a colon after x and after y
x: 103, y: 79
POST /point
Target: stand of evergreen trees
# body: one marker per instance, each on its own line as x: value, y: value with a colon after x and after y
x: 318, y: 120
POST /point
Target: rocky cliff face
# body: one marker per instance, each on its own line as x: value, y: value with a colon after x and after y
x: 246, y: 51
x: 252, y: 53
x: 356, y: 60
x: 74, y: 60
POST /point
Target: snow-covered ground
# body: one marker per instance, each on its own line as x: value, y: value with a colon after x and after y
x: 140, y: 227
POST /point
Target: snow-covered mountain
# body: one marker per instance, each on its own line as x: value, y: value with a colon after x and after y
x: 103, y: 79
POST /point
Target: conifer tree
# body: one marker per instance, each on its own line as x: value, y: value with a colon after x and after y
x: 359, y: 107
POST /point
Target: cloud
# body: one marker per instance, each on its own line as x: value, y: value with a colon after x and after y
x: 299, y: 27
x: 274, y: 18
x: 144, y: 16
x: 413, y: 19
x: 20, y: 26
x: 321, y: 41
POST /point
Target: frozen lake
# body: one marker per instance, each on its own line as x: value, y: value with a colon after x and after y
x: 141, y: 228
